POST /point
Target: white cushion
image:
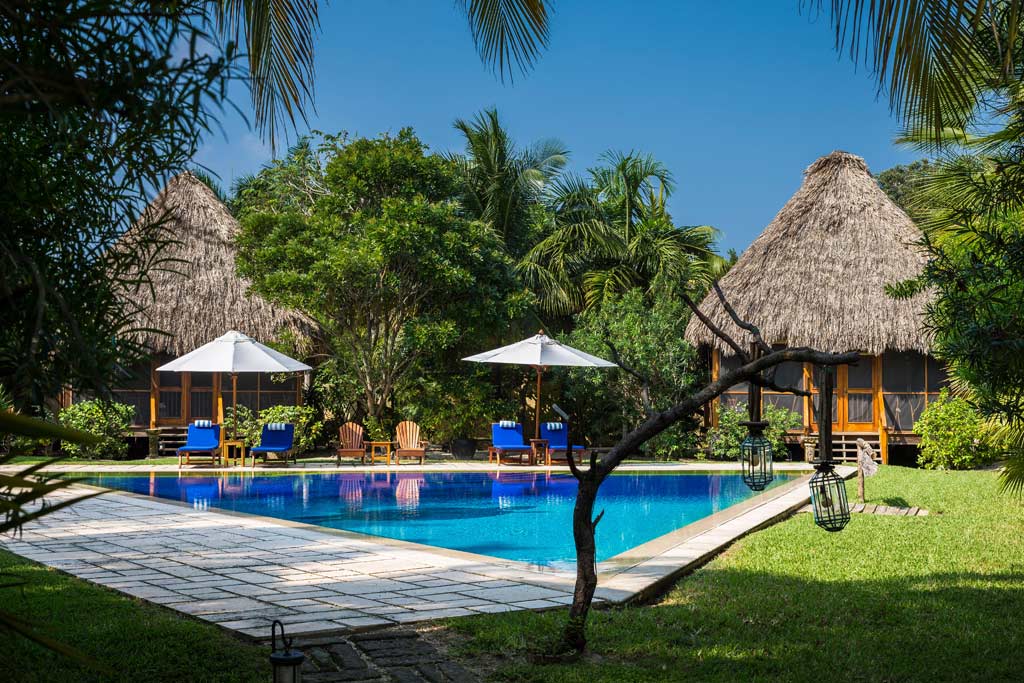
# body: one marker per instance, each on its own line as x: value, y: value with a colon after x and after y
x: 507, y: 424
x: 277, y: 426
x: 203, y: 423
x: 555, y: 426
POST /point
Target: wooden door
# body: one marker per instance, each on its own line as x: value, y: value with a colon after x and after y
x: 857, y: 396
x: 170, y: 397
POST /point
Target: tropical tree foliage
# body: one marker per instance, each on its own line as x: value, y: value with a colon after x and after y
x: 386, y: 266
x: 502, y: 185
x: 657, y: 366
x: 612, y: 233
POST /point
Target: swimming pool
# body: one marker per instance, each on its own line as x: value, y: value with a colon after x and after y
x: 511, y: 515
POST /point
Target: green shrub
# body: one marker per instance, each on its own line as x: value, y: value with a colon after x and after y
x: 109, y: 421
x: 951, y: 436
x: 725, y: 439
x: 306, y: 421
x: 248, y: 426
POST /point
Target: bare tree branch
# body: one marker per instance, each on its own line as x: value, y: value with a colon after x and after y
x: 645, y: 382
x: 715, y: 329
x: 749, y: 327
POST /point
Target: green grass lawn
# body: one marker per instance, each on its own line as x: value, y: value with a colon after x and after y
x: 937, y: 598
x: 139, y: 641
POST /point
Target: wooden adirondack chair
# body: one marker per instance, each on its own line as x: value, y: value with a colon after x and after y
x: 351, y: 443
x: 409, y: 445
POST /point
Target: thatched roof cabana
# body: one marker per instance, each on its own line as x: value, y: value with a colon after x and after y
x: 817, y: 274
x: 198, y: 294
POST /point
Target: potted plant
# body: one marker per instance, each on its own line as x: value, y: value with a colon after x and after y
x: 463, y: 425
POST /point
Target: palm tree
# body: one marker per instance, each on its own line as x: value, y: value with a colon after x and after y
x: 503, y: 185
x: 612, y: 233
x: 279, y: 37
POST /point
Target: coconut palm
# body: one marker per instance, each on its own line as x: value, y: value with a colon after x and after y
x: 612, y: 233
x: 503, y: 185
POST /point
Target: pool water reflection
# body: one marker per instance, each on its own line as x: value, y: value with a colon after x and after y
x: 512, y: 515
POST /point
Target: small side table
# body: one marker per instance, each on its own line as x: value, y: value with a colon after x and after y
x: 539, y: 451
x: 380, y: 449
x: 226, y: 450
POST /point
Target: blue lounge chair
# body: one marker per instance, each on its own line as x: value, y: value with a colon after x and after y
x: 507, y: 437
x: 277, y: 437
x: 203, y: 438
x: 555, y: 436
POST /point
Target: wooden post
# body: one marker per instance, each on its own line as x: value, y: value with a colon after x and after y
x: 234, y: 408
x: 537, y: 412
x: 218, y: 399
x: 860, y: 479
x: 825, y: 415
x: 154, y: 390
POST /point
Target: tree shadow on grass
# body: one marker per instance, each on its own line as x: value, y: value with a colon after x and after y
x: 745, y: 626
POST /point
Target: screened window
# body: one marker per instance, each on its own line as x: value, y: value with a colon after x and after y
x: 903, y: 372
x: 937, y: 377
x: 133, y: 387
x: 910, y: 381
x: 261, y: 390
x: 859, y: 375
x: 860, y: 407
x: 902, y: 410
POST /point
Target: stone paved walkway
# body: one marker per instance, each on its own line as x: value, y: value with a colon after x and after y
x: 389, y: 655
x: 243, y: 572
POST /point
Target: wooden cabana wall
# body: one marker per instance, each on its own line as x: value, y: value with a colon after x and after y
x: 174, y: 399
x: 877, y: 400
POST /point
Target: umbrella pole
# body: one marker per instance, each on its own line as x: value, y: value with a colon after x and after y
x: 234, y: 407
x: 536, y: 416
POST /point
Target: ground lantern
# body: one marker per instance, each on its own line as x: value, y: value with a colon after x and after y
x: 286, y: 662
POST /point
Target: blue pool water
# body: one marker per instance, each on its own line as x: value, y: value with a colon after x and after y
x: 512, y: 515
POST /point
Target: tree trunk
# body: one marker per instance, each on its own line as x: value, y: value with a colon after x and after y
x: 583, y: 524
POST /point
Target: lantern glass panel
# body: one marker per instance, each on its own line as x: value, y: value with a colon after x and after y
x: 828, y: 500
x: 756, y: 460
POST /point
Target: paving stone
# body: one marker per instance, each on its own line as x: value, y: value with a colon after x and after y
x: 404, y: 674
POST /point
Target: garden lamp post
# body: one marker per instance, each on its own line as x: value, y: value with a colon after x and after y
x: 828, y: 490
x: 286, y: 662
x: 756, y: 450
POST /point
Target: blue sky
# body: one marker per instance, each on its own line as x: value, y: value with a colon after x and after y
x: 736, y: 98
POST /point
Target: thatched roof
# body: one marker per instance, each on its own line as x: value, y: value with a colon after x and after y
x: 817, y: 274
x: 198, y: 295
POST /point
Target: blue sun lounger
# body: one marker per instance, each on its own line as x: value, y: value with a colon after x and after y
x: 556, y: 434
x: 277, y: 437
x: 507, y: 437
x: 203, y: 439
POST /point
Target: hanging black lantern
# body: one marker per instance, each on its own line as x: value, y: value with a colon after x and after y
x: 828, y: 490
x: 756, y: 457
x: 756, y: 451
x: 286, y: 662
x: 828, y: 498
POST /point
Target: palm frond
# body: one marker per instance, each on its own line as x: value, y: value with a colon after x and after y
x: 509, y: 34
x: 929, y: 53
x: 279, y: 37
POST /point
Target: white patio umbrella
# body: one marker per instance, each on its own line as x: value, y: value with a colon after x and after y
x: 540, y: 352
x: 234, y: 352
